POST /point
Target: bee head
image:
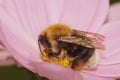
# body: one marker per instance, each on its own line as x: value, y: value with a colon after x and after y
x: 44, y: 41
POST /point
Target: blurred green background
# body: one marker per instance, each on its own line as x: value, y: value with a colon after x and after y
x: 114, y: 1
x: 14, y: 73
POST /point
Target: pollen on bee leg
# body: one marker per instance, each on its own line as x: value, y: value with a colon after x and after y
x: 65, y: 62
x: 93, y: 61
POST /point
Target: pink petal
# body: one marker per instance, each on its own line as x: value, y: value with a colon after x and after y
x: 35, y: 15
x: 88, y: 76
x: 111, y: 32
x: 1, y: 44
x: 7, y: 62
x: 84, y: 14
x: 30, y: 14
x: 114, y: 12
x: 18, y: 43
x: 109, y: 65
x: 55, y: 72
x: 4, y: 54
x: 5, y: 58
x: 1, y: 2
x: 53, y: 10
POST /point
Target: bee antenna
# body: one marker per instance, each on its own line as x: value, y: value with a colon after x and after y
x: 39, y: 46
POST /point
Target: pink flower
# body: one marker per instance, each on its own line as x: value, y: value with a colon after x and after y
x: 21, y: 21
x: 6, y: 59
x: 114, y: 12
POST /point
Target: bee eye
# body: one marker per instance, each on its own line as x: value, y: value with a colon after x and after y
x: 44, y: 41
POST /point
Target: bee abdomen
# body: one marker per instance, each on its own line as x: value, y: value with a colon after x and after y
x: 77, y: 64
x: 82, y: 58
x: 86, y: 54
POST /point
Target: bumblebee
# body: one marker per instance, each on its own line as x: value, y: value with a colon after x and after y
x: 72, y: 46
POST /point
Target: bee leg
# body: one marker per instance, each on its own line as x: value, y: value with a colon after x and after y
x: 50, y: 54
x: 53, y: 54
x: 77, y: 64
x: 56, y: 49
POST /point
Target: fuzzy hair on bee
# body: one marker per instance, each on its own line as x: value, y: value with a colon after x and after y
x: 49, y: 37
x: 79, y: 46
x: 79, y: 53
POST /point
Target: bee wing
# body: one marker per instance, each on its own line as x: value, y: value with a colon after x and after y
x: 97, y: 44
x: 96, y: 39
x: 75, y: 41
x: 69, y: 39
x: 89, y: 34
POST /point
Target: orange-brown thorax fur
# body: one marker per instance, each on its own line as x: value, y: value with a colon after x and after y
x: 55, y: 31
